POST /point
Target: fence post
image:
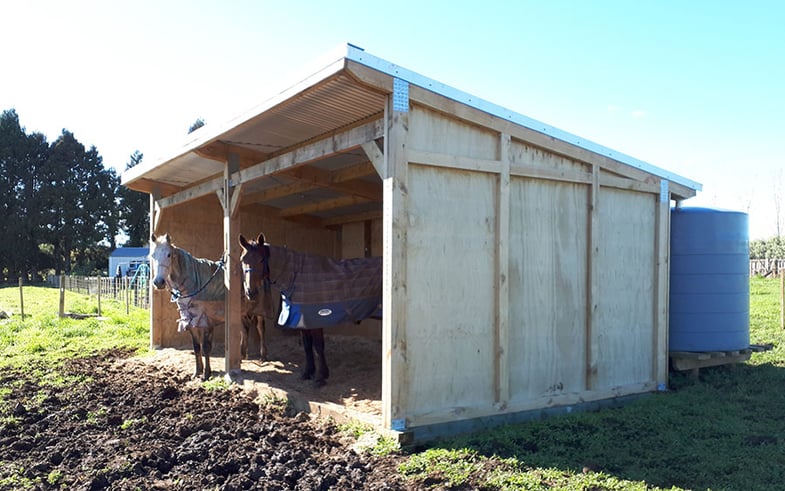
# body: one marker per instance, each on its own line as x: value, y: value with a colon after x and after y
x: 62, y: 296
x: 21, y: 299
x: 782, y: 299
x: 98, y: 280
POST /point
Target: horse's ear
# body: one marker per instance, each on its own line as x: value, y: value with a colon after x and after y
x: 244, y: 242
x: 152, y: 238
x: 168, y: 238
x: 261, y: 240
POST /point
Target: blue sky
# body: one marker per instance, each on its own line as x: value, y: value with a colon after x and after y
x: 694, y: 87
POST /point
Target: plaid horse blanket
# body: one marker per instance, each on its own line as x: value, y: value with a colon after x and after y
x: 198, y: 281
x: 319, y: 291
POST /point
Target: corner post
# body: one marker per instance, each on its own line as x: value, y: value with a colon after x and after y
x: 395, y: 183
x: 232, y: 280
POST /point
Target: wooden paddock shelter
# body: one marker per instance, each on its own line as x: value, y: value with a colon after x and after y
x: 525, y: 268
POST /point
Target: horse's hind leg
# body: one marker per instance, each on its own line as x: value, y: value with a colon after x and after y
x: 197, y: 342
x: 310, y: 367
x: 207, y: 349
x: 318, y: 343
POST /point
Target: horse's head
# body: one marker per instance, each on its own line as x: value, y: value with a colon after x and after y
x: 256, y: 269
x: 161, y: 250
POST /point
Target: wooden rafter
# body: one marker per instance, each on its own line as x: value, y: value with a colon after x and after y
x: 322, y: 206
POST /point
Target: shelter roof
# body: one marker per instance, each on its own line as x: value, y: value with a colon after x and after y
x: 346, y: 91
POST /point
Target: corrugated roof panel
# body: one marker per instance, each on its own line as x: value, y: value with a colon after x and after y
x: 330, y: 105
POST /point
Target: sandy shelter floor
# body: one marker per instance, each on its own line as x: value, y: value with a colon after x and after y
x: 353, y: 390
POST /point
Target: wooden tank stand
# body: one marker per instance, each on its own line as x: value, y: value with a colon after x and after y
x: 694, y: 361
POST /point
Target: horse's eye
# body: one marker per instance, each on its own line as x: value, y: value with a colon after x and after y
x: 169, y: 255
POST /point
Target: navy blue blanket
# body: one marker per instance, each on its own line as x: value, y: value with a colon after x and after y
x: 319, y: 291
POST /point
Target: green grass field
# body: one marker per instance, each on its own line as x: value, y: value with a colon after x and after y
x: 45, y: 338
x: 723, y: 432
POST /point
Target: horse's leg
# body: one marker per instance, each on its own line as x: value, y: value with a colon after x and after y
x: 244, y: 337
x: 262, y: 341
x: 207, y: 349
x: 197, y: 342
x: 310, y: 367
x: 318, y: 343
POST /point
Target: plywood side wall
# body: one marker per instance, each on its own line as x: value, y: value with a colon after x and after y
x: 569, y: 316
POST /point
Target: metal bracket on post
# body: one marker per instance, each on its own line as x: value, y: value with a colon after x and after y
x: 400, y: 95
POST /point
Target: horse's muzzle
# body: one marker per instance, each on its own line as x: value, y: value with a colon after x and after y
x: 159, y: 282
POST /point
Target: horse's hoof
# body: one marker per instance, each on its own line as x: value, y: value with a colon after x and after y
x: 319, y: 383
x: 306, y: 376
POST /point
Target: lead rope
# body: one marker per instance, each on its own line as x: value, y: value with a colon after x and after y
x: 176, y: 295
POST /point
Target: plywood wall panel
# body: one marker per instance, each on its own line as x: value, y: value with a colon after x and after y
x: 535, y: 157
x: 625, y: 316
x: 548, y: 255
x: 435, y: 132
x: 450, y: 289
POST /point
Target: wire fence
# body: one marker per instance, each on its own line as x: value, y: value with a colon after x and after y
x: 766, y: 267
x: 133, y: 291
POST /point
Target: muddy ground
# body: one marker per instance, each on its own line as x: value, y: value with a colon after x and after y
x: 126, y: 423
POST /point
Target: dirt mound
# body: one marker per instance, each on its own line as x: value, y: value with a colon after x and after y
x: 124, y: 424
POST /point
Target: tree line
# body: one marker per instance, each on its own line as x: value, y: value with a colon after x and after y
x: 61, y: 209
x: 773, y: 248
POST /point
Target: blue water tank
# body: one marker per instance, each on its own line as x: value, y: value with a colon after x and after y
x: 709, y: 280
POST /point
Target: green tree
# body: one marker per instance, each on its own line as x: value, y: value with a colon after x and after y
x: 20, y: 158
x: 78, y: 203
x: 134, y: 210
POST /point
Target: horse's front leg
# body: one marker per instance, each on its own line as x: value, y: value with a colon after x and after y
x: 323, y: 373
x: 207, y: 349
x: 196, y: 339
x: 262, y: 341
x: 247, y: 318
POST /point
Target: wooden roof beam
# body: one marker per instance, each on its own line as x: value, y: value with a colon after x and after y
x: 219, y: 151
x: 322, y: 206
x: 324, y: 179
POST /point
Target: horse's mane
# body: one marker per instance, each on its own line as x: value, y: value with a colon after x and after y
x: 191, y: 273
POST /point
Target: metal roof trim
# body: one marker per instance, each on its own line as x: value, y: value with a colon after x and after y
x: 360, y: 56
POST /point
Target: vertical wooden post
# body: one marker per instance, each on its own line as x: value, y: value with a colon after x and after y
x: 782, y: 299
x: 592, y: 279
x: 502, y: 327
x: 155, y: 302
x: 395, y: 375
x: 230, y: 201
x: 661, y: 286
x: 62, y: 296
x: 21, y: 299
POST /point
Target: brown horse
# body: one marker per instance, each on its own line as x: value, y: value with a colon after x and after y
x: 198, y: 290
x: 313, y: 291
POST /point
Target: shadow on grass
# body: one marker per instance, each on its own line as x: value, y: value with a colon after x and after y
x: 725, y: 431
